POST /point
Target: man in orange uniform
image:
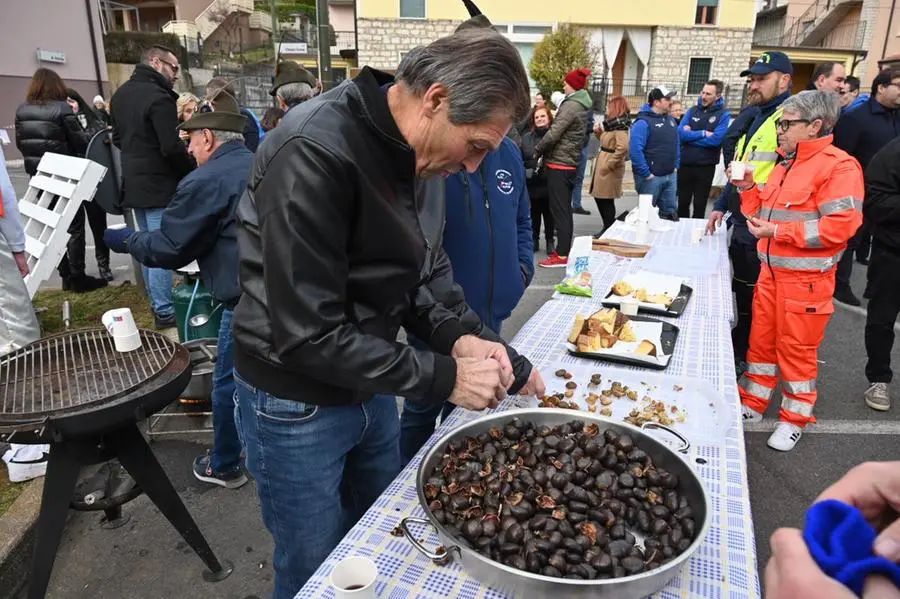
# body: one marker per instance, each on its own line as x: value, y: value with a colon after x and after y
x: 810, y: 207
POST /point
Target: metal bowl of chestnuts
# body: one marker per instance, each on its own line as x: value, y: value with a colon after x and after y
x: 546, y: 503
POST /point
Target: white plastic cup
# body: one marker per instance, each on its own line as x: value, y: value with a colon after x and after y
x: 642, y: 231
x: 120, y: 325
x: 628, y: 306
x: 645, y: 205
x: 738, y: 170
x: 354, y: 578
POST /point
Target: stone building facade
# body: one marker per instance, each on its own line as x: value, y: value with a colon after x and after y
x: 672, y: 49
x: 382, y: 42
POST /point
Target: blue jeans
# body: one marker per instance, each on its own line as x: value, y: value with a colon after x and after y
x: 317, y: 470
x: 579, y: 179
x: 157, y: 280
x: 226, y: 451
x: 417, y: 423
x: 663, y: 189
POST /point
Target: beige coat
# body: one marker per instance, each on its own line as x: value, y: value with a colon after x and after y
x: 609, y: 167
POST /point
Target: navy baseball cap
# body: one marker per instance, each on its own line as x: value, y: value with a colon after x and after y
x: 768, y: 62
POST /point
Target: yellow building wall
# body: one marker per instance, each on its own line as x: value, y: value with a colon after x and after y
x: 647, y: 13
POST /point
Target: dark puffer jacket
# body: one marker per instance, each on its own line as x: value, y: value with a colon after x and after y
x: 42, y: 128
x: 564, y: 140
x: 144, y: 120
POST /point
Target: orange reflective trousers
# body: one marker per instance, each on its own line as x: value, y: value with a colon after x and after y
x: 790, y: 313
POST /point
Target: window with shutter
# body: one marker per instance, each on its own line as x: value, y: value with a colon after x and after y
x: 707, y: 12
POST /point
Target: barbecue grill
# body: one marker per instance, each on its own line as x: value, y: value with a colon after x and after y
x: 76, y: 392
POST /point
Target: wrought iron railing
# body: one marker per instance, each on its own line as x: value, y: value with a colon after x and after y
x: 848, y: 36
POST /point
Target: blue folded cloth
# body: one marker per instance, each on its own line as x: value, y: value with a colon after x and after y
x: 840, y: 540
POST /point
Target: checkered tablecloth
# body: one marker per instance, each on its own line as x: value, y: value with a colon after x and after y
x: 712, y: 294
x: 724, y: 566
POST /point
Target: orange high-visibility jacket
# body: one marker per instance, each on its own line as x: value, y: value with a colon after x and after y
x: 816, y: 202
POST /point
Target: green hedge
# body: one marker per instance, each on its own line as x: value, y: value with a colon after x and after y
x: 127, y: 46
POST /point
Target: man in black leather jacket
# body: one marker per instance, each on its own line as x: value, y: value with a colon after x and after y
x: 332, y: 259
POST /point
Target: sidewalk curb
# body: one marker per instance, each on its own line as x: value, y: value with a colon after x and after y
x: 17, y: 539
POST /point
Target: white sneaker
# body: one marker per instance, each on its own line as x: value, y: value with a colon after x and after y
x: 878, y: 397
x: 750, y: 415
x: 785, y: 436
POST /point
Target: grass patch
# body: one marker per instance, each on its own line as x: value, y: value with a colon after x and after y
x: 8, y: 491
x: 87, y: 308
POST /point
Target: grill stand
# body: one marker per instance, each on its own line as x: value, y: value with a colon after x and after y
x: 131, y: 449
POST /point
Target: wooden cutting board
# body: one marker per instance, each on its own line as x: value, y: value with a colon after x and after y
x: 620, y: 248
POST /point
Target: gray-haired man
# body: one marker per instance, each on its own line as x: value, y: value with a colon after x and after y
x: 332, y: 258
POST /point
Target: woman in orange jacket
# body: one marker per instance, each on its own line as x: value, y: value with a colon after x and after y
x: 810, y: 207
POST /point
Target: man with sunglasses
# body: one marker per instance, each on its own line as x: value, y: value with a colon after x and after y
x: 154, y: 159
x: 769, y: 85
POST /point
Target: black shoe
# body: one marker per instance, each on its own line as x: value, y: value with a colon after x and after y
x: 83, y: 284
x: 105, y: 272
x: 845, y: 296
x: 580, y: 211
x: 164, y: 322
x: 230, y: 480
x: 673, y: 216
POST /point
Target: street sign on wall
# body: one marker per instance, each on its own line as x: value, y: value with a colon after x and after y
x: 51, y: 56
x: 293, y: 48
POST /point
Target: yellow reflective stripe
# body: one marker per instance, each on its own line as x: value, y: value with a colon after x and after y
x: 762, y: 368
x: 789, y: 216
x: 811, y: 234
x: 839, y: 205
x: 799, y: 386
x: 801, y: 408
x: 754, y: 388
x: 790, y: 263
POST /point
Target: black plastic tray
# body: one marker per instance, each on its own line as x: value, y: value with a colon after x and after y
x: 676, y: 308
x: 668, y: 339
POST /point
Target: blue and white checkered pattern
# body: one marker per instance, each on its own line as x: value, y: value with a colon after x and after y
x: 712, y: 294
x: 724, y: 566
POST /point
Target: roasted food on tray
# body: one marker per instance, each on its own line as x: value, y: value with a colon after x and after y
x: 565, y: 501
x: 623, y: 288
x: 601, y: 330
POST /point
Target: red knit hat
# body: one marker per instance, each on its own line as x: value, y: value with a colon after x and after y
x: 577, y: 78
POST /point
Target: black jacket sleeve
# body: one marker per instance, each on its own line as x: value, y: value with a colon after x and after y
x: 451, y: 295
x: 164, y: 119
x: 739, y: 126
x: 882, y: 203
x: 306, y: 277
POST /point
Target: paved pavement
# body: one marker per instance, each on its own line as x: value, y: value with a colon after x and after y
x: 146, y: 558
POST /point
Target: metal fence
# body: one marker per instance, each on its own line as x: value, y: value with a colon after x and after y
x: 251, y: 82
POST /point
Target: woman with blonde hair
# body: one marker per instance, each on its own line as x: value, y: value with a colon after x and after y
x: 609, y: 168
x: 186, y: 105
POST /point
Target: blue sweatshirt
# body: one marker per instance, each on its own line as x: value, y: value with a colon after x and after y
x: 488, y: 235
x: 697, y: 148
x: 653, y: 146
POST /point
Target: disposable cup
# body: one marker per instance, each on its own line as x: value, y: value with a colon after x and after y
x: 354, y: 578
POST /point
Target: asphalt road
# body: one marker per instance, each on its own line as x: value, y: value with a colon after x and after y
x: 147, y: 559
